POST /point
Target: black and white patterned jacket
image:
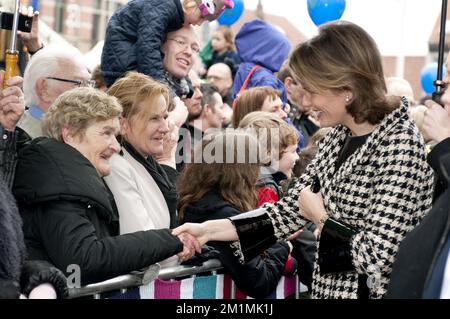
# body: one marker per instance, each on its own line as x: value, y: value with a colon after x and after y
x: 382, y: 190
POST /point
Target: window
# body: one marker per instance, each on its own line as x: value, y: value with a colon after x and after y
x: 59, y: 15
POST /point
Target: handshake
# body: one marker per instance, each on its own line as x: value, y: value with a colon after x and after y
x: 194, y: 236
x: 191, y: 246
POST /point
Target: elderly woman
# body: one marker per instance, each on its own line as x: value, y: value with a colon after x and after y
x: 70, y: 217
x: 144, y: 190
x: 372, y: 184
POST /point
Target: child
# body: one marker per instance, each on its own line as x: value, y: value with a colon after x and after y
x: 281, y: 148
x: 261, y: 98
x: 136, y: 31
x: 262, y: 49
x: 222, y: 42
x: 222, y: 186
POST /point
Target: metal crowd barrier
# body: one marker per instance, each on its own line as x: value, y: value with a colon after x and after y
x: 144, y: 277
x: 139, y: 278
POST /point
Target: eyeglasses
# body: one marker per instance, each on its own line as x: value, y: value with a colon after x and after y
x: 183, y: 44
x: 79, y: 83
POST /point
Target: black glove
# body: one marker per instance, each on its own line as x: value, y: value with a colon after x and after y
x: 37, y: 272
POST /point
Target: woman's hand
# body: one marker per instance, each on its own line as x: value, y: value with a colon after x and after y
x: 436, y: 122
x: 180, y: 113
x: 311, y: 206
x: 218, y: 229
x: 196, y: 230
x: 167, y: 157
x: 31, y: 39
x: 12, y: 104
x: 190, y: 246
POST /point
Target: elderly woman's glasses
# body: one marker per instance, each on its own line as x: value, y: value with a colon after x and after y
x: 79, y: 83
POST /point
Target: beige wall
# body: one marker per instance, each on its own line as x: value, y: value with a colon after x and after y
x: 413, y: 67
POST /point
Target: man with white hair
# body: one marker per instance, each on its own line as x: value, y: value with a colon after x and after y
x: 50, y: 72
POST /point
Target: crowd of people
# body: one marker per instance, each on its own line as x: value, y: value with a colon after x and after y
x: 284, y: 160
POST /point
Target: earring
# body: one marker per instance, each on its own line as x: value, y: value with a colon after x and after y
x: 347, y: 99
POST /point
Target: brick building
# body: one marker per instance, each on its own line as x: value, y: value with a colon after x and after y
x: 81, y: 22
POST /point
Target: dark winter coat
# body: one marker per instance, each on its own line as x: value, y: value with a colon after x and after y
x: 10, y: 142
x: 257, y: 278
x: 134, y: 36
x: 70, y: 216
x: 259, y: 43
x: 16, y: 275
x: 420, y: 250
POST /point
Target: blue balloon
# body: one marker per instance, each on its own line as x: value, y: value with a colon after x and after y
x: 230, y: 16
x: 428, y: 76
x: 322, y: 11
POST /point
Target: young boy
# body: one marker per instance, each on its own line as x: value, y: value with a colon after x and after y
x: 281, y: 152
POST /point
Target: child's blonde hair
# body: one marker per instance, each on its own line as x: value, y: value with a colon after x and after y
x: 262, y: 123
x: 189, y: 5
x: 228, y: 35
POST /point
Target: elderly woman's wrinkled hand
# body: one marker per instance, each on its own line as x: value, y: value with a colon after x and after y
x: 190, y: 246
x: 12, y: 103
x: 436, y: 122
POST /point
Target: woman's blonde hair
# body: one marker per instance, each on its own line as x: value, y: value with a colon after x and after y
x: 135, y: 88
x: 234, y: 179
x: 77, y: 109
x: 264, y: 124
x: 252, y: 100
x: 344, y: 57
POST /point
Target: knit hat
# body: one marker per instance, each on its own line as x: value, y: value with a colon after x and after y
x: 212, y: 9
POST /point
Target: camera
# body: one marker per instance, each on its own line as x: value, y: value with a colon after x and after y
x: 6, y: 21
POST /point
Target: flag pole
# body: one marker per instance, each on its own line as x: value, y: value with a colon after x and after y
x: 12, y: 55
x: 439, y: 84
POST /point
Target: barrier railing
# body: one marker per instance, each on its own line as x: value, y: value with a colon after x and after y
x: 155, y: 275
x: 139, y: 278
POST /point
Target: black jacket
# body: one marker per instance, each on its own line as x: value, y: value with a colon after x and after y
x: 16, y: 275
x: 257, y: 278
x: 10, y: 143
x: 70, y: 216
x: 421, y: 248
x: 134, y: 36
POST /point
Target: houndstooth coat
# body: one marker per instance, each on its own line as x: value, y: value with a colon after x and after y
x: 382, y: 190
